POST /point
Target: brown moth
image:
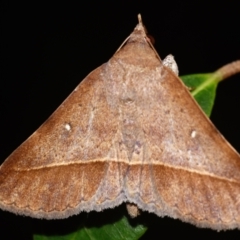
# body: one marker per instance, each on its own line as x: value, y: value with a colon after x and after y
x: 130, y: 132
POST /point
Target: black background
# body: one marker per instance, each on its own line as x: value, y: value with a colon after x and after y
x: 48, y: 48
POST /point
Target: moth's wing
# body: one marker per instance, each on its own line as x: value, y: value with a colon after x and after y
x: 179, y: 164
x: 188, y: 170
x: 63, y: 167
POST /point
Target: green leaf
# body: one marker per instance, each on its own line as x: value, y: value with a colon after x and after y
x: 121, y: 229
x: 203, y: 89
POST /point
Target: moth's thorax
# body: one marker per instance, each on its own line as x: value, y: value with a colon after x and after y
x: 131, y: 91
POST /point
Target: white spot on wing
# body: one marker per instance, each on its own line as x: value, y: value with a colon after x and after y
x: 193, y: 134
x: 67, y: 127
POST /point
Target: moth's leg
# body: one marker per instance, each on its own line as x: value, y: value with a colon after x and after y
x: 170, y: 62
x: 132, y: 209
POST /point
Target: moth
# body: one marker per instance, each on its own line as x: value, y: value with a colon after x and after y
x: 129, y: 132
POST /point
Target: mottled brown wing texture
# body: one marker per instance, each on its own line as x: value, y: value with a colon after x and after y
x: 66, y: 166
x: 129, y: 132
x: 179, y: 164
